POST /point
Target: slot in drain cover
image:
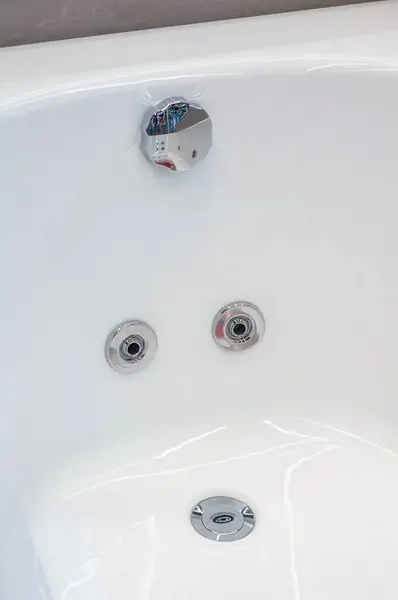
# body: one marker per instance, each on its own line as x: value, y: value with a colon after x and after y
x: 223, y: 519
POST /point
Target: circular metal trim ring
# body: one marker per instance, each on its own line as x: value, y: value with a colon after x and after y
x: 236, y: 310
x: 133, y: 329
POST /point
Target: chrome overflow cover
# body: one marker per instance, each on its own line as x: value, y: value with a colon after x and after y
x: 238, y: 326
x: 223, y: 519
x: 130, y: 346
x: 176, y: 134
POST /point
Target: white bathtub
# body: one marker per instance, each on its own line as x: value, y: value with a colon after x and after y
x: 294, y: 209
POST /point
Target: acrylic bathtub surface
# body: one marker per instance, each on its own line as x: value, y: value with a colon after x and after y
x: 294, y: 209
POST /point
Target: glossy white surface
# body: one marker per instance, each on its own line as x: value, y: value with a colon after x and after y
x: 296, y: 210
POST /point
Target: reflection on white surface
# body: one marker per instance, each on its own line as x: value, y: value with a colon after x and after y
x: 182, y: 469
x: 351, y: 435
x: 286, y: 492
x: 189, y: 441
x: 89, y: 571
x: 288, y: 432
x: 290, y: 516
x: 164, y: 453
x: 119, y: 540
x: 92, y: 567
x: 358, y: 65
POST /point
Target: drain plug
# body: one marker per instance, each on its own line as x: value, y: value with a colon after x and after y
x: 223, y: 519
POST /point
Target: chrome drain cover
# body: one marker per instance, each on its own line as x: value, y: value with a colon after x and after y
x: 223, y: 519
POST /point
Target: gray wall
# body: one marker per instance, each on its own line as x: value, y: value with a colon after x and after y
x: 27, y: 21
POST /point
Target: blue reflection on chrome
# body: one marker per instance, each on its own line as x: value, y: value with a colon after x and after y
x: 165, y: 121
